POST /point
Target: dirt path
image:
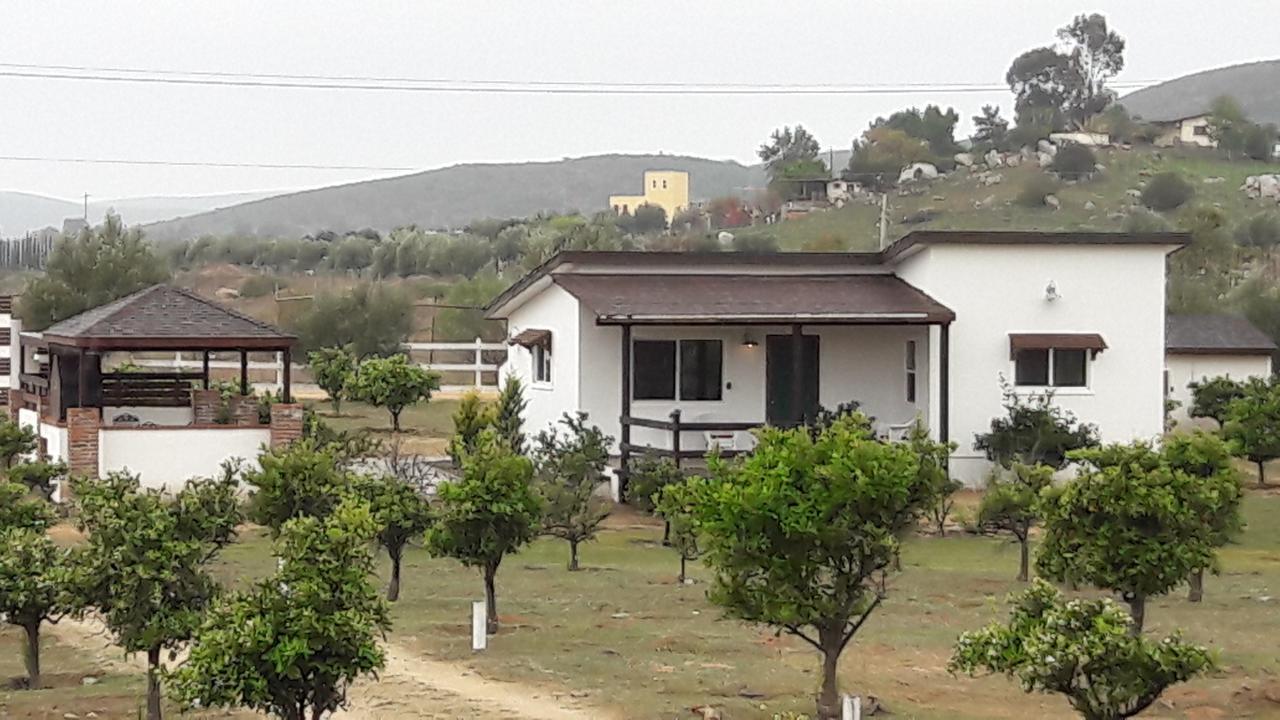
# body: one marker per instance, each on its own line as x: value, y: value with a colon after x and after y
x: 410, y: 687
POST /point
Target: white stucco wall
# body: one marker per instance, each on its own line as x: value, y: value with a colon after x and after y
x: 170, y: 457
x: 995, y: 290
x: 556, y: 310
x: 1184, y: 369
x: 163, y: 416
x: 55, y: 437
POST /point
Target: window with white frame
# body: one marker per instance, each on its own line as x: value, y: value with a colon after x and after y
x: 541, y: 354
x: 911, y: 371
x: 683, y: 369
x: 1051, y: 367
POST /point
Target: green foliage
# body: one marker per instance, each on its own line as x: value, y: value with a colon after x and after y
x: 15, y: 441
x: 344, y: 445
x: 36, y: 586
x: 292, y: 644
x: 934, y: 459
x: 509, y: 418
x: 38, y: 477
x: 990, y: 131
x: 393, y: 383
x: 756, y: 244
x: 1262, y: 231
x: 1132, y: 522
x: 1010, y: 504
x: 467, y: 322
x: 102, y: 264
x: 303, y: 479
x: 1035, y: 190
x: 648, y: 476
x: 256, y: 286
x: 786, y: 147
x: 1073, y: 162
x: 1035, y: 431
x: 368, y: 319
x: 1070, y: 82
x: 1167, y: 191
x: 884, y: 151
x: 487, y: 514
x: 797, y: 531
x: 570, y: 465
x: 332, y: 368
x: 143, y: 568
x: 932, y: 125
x: 1201, y: 274
x: 675, y: 503
x: 1210, y: 398
x: 472, y: 416
x: 645, y: 220
x: 1252, y: 424
x: 1082, y: 649
x: 400, y: 514
x: 19, y: 510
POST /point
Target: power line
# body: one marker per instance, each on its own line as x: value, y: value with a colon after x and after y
x: 184, y: 163
x: 517, y: 87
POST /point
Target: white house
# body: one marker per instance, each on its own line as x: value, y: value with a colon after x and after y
x: 1191, y: 130
x: 926, y: 328
x: 1200, y: 347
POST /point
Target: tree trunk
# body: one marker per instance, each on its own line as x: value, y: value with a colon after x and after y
x: 942, y: 526
x: 393, y: 588
x: 829, y: 697
x: 683, y: 562
x: 666, y: 533
x: 395, y: 421
x: 1262, y: 473
x: 897, y: 559
x: 153, y: 684
x: 1024, y: 559
x: 490, y: 601
x: 1196, y: 592
x: 31, y: 655
x: 1138, y: 610
x: 337, y: 406
x: 573, y: 556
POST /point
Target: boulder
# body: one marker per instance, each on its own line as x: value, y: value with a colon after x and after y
x: 1045, y: 146
x: 226, y: 293
x: 1099, y: 167
x: 1133, y: 193
x: 992, y: 179
x: 1090, y: 205
x: 964, y: 159
x: 1215, y: 180
x: 725, y: 237
x: 1052, y: 201
x: 985, y: 202
x: 918, y: 171
x: 1261, y: 187
x: 993, y: 159
x: 1044, y: 159
x: 1013, y: 160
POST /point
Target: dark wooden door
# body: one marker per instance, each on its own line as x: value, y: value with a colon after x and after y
x: 782, y: 407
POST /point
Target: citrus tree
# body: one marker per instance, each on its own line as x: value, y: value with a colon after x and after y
x: 1034, y: 431
x: 1252, y: 424
x: 400, y: 513
x: 1210, y: 398
x: 38, y: 476
x: 303, y: 479
x: 393, y: 383
x: 1207, y: 457
x: 569, y: 466
x: 332, y: 368
x: 15, y: 441
x: 1010, y: 505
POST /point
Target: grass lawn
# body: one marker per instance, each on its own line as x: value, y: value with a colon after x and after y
x: 425, y: 427
x: 625, y: 634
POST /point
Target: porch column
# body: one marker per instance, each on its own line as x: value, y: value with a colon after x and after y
x: 797, y: 376
x: 286, y: 359
x: 244, y: 372
x: 204, y: 367
x: 82, y: 372
x: 624, y: 433
x: 944, y: 382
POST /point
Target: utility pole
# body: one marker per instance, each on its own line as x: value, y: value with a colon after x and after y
x: 86, y: 207
x: 884, y: 219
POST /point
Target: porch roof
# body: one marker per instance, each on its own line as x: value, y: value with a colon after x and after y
x: 165, y: 317
x: 702, y: 299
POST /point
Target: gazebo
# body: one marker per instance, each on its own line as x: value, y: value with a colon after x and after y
x: 166, y: 425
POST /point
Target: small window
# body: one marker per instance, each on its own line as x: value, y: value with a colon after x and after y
x: 1031, y: 367
x: 1069, y: 368
x: 541, y: 363
x: 911, y: 371
x: 664, y: 184
x: 1059, y: 367
x: 655, y: 369
x: 655, y: 184
x: 701, y: 369
x: 1202, y: 130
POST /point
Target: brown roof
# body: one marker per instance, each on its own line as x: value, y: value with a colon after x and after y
x: 714, y: 298
x: 1048, y: 341
x: 166, y: 317
x: 1214, y: 334
x: 530, y: 338
x: 1029, y: 237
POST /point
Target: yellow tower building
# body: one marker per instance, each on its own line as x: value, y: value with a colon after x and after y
x: 668, y: 189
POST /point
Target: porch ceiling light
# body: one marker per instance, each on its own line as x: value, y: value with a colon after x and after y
x: 1051, y: 292
x: 748, y: 341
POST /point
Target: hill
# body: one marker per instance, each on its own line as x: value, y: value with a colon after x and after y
x: 1256, y: 86
x: 23, y: 212
x: 454, y: 196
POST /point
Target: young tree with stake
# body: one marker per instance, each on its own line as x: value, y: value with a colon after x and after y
x: 675, y: 505
x: 797, y: 531
x: 400, y: 514
x: 1207, y: 457
x: 332, y: 368
x: 934, y: 457
x: 393, y: 383
x: 487, y: 514
x: 1252, y: 424
x: 509, y: 418
x: 569, y: 466
x: 1010, y: 505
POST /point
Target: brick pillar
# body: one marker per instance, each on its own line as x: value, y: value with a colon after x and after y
x: 286, y: 423
x: 15, y: 403
x: 244, y: 410
x: 206, y: 404
x: 82, y: 440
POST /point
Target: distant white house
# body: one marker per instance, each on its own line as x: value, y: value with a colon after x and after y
x: 926, y: 328
x: 1192, y: 130
x: 1200, y: 347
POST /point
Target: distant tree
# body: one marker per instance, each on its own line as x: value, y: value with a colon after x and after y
x: 1010, y: 505
x: 303, y: 479
x: 1228, y: 125
x: 1042, y: 79
x: 487, y: 514
x: 675, y: 505
x: 989, y: 129
x: 569, y: 464
x: 100, y: 265
x: 753, y: 243
x: 144, y: 568
x: 797, y: 531
x: 934, y: 460
x: 1211, y: 397
x: 471, y: 417
x: 1073, y: 162
x: 1262, y: 231
x: 1206, y: 456
x: 1201, y: 274
x: 1167, y: 191
x: 884, y: 151
x: 367, y: 319
x: 508, y: 421
x: 1070, y: 82
x: 646, y: 220
x: 728, y: 212
x: 1033, y: 124
x: 1260, y: 142
x: 1116, y: 122
x: 332, y: 369
x: 465, y: 320
x: 1083, y: 649
x: 1252, y: 424
x: 35, y: 588
x: 16, y: 441
x: 1034, y: 431
x: 1036, y: 190
x: 400, y: 514
x: 785, y: 147
x: 393, y: 383
x: 354, y: 252
x: 39, y: 477
x: 932, y: 125
x: 1131, y: 522
x: 291, y: 645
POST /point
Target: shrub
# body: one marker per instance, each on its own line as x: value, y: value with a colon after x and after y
x: 1036, y: 189
x: 1073, y: 162
x: 259, y: 286
x: 1167, y: 191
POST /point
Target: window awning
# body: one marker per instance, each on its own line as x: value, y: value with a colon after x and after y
x: 532, y: 338
x: 1049, y: 341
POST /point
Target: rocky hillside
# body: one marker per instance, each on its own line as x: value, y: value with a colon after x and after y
x: 1256, y: 86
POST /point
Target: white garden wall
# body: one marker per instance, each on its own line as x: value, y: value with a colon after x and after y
x: 168, y: 457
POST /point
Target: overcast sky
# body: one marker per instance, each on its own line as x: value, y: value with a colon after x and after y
x: 712, y: 41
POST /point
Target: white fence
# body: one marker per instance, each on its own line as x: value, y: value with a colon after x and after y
x: 476, y: 368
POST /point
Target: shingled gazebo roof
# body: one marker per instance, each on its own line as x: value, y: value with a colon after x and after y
x: 163, y: 317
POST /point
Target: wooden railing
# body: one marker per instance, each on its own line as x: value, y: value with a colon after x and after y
x: 677, y: 427
x: 148, y: 389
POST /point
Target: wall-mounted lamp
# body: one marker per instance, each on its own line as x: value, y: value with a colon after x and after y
x: 748, y: 341
x: 1051, y: 292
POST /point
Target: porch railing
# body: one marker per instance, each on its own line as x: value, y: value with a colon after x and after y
x: 148, y: 389
x: 676, y: 428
